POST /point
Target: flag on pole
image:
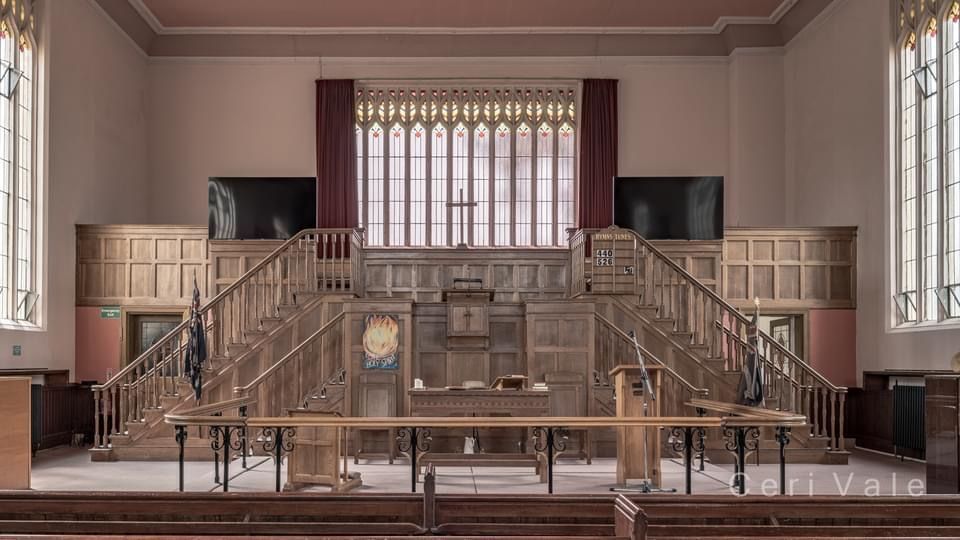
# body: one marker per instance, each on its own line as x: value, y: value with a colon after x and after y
x: 196, y: 345
x: 750, y: 389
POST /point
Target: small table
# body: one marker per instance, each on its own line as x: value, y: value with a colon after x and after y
x: 481, y: 402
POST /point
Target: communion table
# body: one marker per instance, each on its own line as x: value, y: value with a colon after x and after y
x: 481, y: 402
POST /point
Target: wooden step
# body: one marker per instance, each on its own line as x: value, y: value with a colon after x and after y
x: 287, y: 310
x: 668, y: 325
x: 236, y: 349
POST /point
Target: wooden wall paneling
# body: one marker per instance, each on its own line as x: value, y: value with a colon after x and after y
x: 140, y: 264
x: 701, y: 258
x: 354, y: 312
x: 421, y: 274
x: 790, y: 268
x: 560, y: 339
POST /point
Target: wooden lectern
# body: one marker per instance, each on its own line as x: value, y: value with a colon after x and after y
x: 631, y: 396
x: 316, y: 457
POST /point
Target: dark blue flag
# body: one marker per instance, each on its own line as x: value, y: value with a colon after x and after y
x: 196, y: 345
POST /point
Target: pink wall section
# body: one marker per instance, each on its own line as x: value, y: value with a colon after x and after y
x: 833, y: 344
x: 98, y: 345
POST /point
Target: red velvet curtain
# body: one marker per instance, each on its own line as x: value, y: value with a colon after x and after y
x: 598, y: 152
x: 336, y: 155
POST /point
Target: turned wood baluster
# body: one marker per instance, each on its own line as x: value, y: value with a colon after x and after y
x: 124, y: 392
x: 342, y: 246
x: 833, y: 421
x: 840, y: 432
x: 97, y: 407
x: 114, y: 417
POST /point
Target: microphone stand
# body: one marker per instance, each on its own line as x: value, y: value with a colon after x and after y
x: 646, y: 484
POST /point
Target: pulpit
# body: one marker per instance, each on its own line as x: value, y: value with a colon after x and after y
x: 317, y: 456
x: 468, y: 314
x: 636, y: 444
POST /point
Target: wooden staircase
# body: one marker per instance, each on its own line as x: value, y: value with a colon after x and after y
x: 297, y: 289
x: 688, y: 327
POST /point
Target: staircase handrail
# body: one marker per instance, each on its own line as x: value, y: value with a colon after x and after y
x: 214, y: 301
x: 790, y: 356
x: 693, y: 281
x: 311, y: 261
x: 246, y: 389
x: 740, y: 341
x: 211, y: 409
x: 669, y: 370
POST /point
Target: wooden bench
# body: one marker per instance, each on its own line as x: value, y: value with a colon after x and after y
x: 475, y: 516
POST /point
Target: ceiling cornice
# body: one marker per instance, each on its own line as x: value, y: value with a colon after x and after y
x: 719, y: 26
x: 725, y: 36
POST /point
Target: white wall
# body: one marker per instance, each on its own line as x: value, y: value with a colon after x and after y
x: 256, y: 117
x: 96, y: 159
x: 837, y: 125
x: 756, y: 138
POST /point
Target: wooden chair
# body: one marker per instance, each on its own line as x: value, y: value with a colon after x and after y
x: 378, y: 397
x: 568, y: 398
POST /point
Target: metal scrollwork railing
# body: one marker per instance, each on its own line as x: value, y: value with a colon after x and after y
x: 740, y: 440
x: 549, y: 441
x: 278, y: 441
x: 414, y: 441
x: 688, y: 441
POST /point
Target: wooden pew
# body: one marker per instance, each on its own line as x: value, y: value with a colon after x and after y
x: 463, y: 516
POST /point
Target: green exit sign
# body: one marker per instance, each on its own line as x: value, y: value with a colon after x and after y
x: 110, y: 313
x: 17, y: 350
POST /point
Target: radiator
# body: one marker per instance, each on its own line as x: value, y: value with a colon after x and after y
x: 908, y: 428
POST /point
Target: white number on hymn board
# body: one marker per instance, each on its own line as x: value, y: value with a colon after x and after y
x: 604, y: 257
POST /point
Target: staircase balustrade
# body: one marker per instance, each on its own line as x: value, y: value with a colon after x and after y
x: 314, y: 261
x: 614, y: 346
x: 697, y: 311
x: 283, y: 385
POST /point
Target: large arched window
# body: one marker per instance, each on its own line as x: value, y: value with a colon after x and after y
x: 927, y: 284
x: 479, y: 165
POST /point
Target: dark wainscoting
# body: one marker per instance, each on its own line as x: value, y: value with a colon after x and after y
x: 870, y: 412
x: 58, y: 411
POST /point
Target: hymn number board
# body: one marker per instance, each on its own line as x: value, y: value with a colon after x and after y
x: 614, y: 258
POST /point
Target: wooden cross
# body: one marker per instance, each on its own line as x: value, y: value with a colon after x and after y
x: 461, y: 205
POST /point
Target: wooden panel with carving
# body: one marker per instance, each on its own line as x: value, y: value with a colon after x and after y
x: 132, y: 265
x: 440, y: 365
x: 421, y: 275
x: 798, y: 268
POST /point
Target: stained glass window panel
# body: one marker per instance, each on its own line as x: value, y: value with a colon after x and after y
x: 424, y: 150
x: 461, y: 183
x: 398, y: 186
x: 566, y: 162
x: 438, y: 188
x: 481, y: 185
x: 418, y: 185
x: 524, y: 179
x: 375, y: 180
x: 545, y: 184
x: 503, y: 199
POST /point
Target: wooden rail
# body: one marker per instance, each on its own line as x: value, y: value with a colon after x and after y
x: 313, y: 261
x: 278, y: 434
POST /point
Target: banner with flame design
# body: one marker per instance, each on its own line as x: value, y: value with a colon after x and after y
x: 381, y: 342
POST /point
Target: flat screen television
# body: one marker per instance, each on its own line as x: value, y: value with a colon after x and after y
x: 670, y: 208
x: 261, y: 208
